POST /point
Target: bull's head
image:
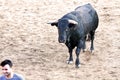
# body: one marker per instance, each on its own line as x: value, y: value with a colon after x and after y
x: 64, y: 26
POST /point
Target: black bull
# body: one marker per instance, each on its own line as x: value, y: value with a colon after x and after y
x: 73, y: 28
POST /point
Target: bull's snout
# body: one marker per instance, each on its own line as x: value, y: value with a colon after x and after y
x: 61, y: 40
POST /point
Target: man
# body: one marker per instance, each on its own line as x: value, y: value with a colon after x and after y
x: 8, y: 74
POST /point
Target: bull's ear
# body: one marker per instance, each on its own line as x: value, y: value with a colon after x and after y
x: 72, y: 24
x: 53, y: 23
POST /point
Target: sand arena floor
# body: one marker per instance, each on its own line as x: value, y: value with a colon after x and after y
x: 32, y: 45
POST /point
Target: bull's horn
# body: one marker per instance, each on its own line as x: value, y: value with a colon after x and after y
x: 72, y: 21
x: 52, y: 22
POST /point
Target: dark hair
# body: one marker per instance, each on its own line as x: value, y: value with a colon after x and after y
x: 9, y: 62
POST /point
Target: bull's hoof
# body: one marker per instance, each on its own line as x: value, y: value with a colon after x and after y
x: 69, y: 62
x: 84, y: 50
x: 78, y: 66
x: 92, y: 52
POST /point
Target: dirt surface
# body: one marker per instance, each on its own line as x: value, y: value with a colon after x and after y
x: 32, y: 45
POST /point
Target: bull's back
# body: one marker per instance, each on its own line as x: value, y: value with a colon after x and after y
x: 89, y: 17
x: 85, y: 8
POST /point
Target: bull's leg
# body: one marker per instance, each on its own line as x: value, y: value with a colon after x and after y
x: 70, y: 57
x: 77, y: 62
x: 92, y: 33
x: 78, y: 49
x: 84, y: 44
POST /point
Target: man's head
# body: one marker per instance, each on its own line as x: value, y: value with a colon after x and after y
x: 6, y: 67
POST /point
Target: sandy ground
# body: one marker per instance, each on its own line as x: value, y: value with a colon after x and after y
x: 32, y: 45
